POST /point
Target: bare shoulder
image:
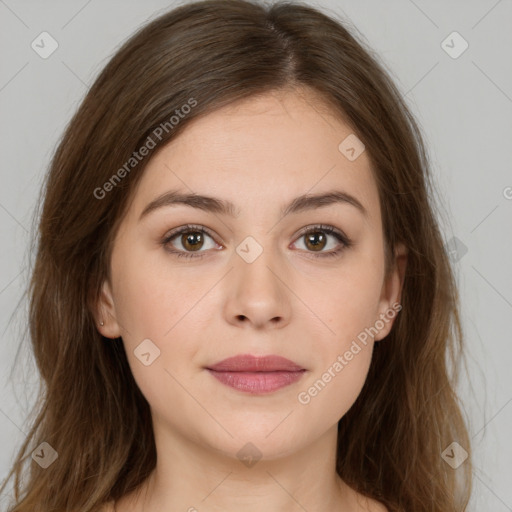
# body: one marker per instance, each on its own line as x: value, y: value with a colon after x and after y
x: 107, y: 507
x: 376, y: 506
x: 366, y: 504
x: 357, y: 502
x: 371, y: 505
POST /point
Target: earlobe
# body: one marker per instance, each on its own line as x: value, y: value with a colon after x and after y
x: 390, y: 303
x: 106, y: 321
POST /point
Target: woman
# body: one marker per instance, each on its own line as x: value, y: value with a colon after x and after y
x: 241, y: 299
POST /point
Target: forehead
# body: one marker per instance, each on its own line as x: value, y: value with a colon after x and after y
x: 262, y: 151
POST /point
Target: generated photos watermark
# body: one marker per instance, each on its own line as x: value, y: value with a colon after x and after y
x: 137, y: 156
x: 304, y: 397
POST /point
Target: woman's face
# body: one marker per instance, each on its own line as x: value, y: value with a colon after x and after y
x: 254, y: 282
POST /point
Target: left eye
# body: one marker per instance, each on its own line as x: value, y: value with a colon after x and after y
x: 192, y: 239
x: 317, y: 239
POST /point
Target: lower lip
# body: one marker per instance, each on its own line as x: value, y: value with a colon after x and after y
x: 257, y: 382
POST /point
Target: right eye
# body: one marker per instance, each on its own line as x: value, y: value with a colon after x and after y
x: 191, y: 238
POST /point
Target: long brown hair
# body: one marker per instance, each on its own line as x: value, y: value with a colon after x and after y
x: 209, y: 54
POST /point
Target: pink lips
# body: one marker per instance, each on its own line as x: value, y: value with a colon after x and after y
x: 256, y: 374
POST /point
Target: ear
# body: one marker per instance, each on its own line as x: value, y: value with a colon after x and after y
x: 392, y: 291
x: 106, y: 313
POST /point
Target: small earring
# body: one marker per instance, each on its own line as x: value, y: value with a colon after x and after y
x: 101, y: 323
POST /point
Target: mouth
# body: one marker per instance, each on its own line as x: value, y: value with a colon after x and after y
x: 256, y: 375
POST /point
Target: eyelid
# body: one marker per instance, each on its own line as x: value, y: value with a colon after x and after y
x: 189, y: 227
x: 324, y: 227
x: 344, y: 240
x: 183, y: 229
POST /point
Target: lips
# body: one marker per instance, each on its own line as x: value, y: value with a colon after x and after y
x: 249, y: 363
x: 256, y: 375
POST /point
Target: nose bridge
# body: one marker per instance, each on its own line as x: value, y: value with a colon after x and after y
x: 257, y: 263
x: 256, y: 284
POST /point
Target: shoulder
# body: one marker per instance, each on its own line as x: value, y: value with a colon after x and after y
x: 367, y: 504
x: 377, y: 506
x: 107, y: 507
x: 360, y: 502
x: 374, y: 506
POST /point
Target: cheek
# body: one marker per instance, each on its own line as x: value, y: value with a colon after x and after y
x: 343, y: 303
x: 163, y: 307
x: 152, y: 299
x: 344, y: 350
x: 331, y: 392
x: 153, y: 309
x: 347, y: 303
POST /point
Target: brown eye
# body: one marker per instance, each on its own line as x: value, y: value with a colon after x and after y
x: 186, y: 241
x: 315, y: 240
x: 192, y: 240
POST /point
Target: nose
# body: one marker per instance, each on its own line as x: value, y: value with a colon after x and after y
x: 257, y: 295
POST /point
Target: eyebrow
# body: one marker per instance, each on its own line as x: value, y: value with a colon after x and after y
x: 212, y: 204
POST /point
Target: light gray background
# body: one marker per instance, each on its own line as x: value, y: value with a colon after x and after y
x: 464, y: 106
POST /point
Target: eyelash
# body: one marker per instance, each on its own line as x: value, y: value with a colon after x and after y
x: 345, y: 241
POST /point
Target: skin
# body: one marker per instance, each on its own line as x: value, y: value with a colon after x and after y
x: 259, y: 154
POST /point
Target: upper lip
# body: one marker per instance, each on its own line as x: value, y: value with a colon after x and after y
x: 250, y: 363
